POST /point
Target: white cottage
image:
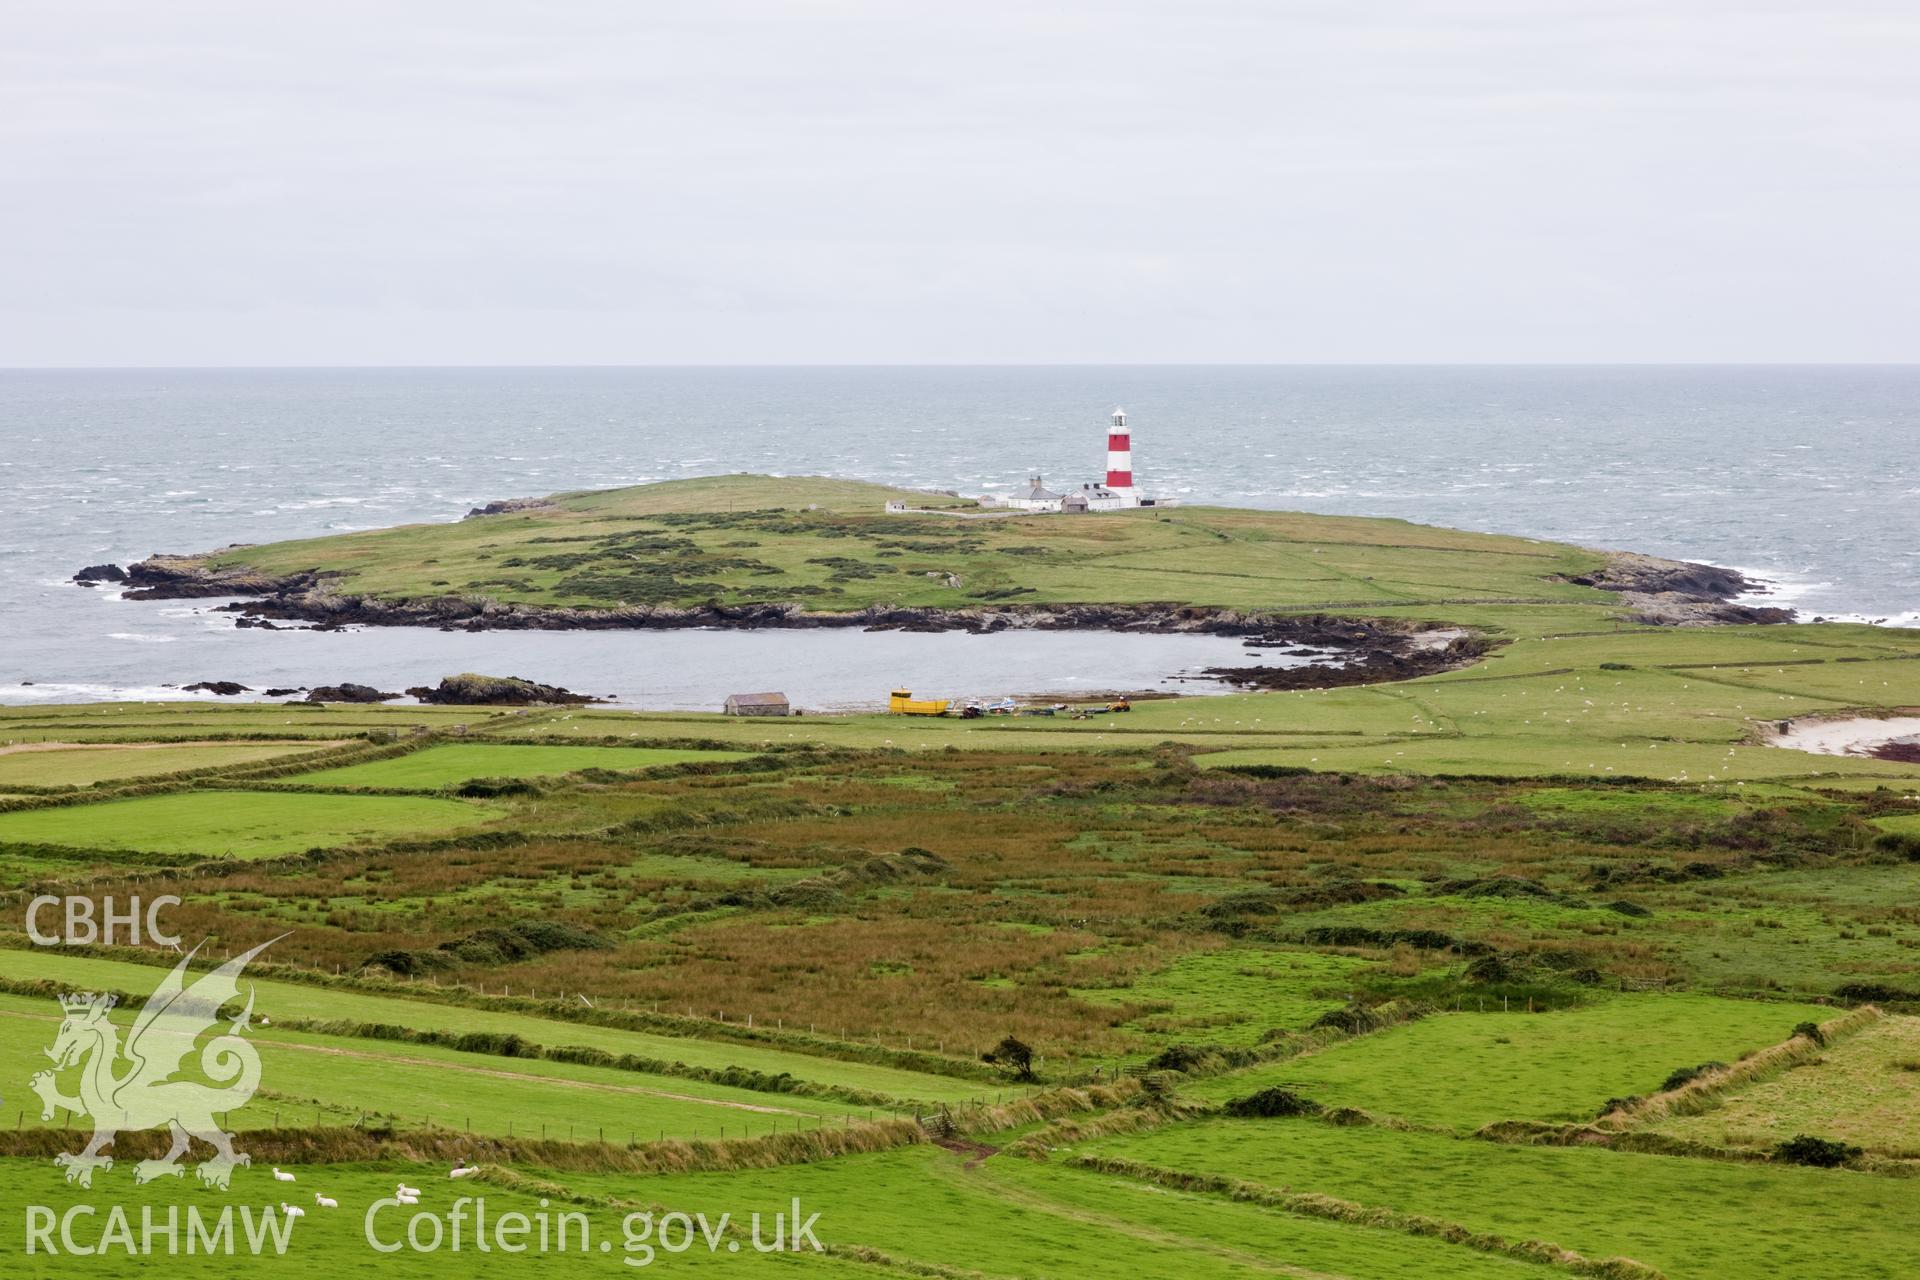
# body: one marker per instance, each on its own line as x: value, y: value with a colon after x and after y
x: 1035, y: 497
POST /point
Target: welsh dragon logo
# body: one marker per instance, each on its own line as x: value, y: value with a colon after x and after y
x: 132, y: 1086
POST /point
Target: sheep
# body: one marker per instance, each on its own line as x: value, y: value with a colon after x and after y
x: 281, y: 1175
x: 325, y: 1202
x: 407, y: 1199
x: 467, y: 1172
x: 292, y: 1211
x: 405, y: 1190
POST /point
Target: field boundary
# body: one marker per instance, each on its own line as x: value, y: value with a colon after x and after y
x: 1708, y: 1090
x: 1333, y: 1209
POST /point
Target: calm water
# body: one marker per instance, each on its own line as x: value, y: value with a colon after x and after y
x: 1804, y: 475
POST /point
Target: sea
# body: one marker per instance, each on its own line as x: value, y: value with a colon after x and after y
x: 1805, y: 476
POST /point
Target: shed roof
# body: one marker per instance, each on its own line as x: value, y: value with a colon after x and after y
x: 758, y: 699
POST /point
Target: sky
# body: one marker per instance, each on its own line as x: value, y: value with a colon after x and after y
x: 900, y: 182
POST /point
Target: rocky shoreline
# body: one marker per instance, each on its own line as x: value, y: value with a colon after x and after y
x: 1656, y: 591
x: 1678, y: 593
x: 1377, y: 664
x: 304, y: 598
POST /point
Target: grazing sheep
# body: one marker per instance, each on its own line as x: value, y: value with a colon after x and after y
x: 325, y: 1202
x: 292, y: 1211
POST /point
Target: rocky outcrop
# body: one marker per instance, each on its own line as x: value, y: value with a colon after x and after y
x: 348, y: 693
x: 222, y: 688
x: 94, y: 574
x: 510, y: 506
x: 470, y: 690
x: 1384, y: 657
x: 166, y: 577
x: 1680, y: 593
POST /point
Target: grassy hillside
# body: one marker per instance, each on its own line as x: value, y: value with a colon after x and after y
x: 827, y: 544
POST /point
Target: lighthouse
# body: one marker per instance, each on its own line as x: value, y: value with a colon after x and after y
x: 1120, y: 458
x: 1116, y: 493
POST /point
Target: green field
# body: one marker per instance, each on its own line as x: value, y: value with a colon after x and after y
x: 1465, y: 1070
x: 84, y: 766
x: 445, y: 766
x: 1689, y: 1218
x: 137, y: 722
x: 314, y: 1003
x: 1864, y: 1090
x: 1234, y: 995
x: 321, y: 1080
x: 1008, y: 1218
x: 239, y: 824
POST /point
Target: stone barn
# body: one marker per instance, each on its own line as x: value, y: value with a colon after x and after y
x: 757, y: 704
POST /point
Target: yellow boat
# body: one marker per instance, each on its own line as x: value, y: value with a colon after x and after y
x: 903, y: 703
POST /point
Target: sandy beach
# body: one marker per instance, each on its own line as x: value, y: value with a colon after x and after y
x: 1852, y: 736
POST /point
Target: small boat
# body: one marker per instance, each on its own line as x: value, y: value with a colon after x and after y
x: 902, y: 703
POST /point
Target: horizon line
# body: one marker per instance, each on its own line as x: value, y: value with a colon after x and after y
x: 1064, y: 364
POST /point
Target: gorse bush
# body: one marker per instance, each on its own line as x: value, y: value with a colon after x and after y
x: 494, y: 945
x: 1900, y: 844
x: 1353, y: 935
x: 1272, y: 1103
x: 1183, y: 1057
x: 1820, y: 1153
x: 1355, y: 1020
x: 1687, y: 1075
x: 492, y: 788
x: 1488, y: 969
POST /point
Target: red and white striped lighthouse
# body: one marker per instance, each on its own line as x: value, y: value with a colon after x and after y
x: 1120, y: 456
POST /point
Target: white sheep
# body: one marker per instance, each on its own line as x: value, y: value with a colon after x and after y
x: 405, y: 1190
x: 281, y: 1175
x: 325, y: 1202
x: 467, y: 1172
x: 292, y: 1211
x: 407, y: 1199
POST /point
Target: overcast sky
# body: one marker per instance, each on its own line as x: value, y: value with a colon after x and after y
x: 725, y: 181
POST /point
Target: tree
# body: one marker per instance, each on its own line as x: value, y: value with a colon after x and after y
x: 1011, y: 1055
